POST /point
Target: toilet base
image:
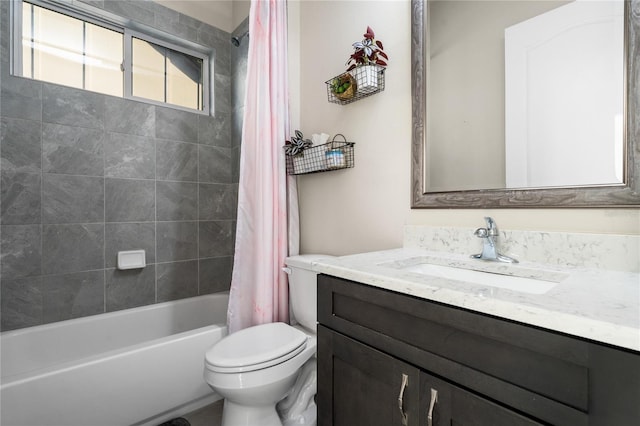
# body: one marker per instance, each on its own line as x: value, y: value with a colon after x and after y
x: 242, y: 415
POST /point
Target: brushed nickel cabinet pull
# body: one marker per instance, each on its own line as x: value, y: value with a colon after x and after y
x: 432, y: 404
x: 405, y: 417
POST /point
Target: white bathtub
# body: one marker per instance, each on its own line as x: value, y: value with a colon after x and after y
x: 136, y: 366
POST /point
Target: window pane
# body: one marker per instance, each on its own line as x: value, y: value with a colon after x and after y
x: 27, y: 28
x: 148, y: 62
x: 103, y: 56
x: 184, y: 77
x: 57, y: 48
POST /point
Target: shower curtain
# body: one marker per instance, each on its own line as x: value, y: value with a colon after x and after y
x: 267, y: 221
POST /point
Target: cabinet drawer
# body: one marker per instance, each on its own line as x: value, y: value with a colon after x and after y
x: 529, y: 369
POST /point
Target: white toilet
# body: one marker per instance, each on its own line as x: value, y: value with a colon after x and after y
x: 256, y: 367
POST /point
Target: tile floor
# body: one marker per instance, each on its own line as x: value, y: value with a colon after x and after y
x: 211, y: 415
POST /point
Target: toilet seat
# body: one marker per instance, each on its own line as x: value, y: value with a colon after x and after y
x: 255, y: 348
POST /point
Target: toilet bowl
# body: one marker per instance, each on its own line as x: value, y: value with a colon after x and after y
x: 255, y: 368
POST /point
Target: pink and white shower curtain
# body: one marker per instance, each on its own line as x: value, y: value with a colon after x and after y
x: 267, y: 221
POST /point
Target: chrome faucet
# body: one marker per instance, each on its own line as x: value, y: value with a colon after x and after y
x: 489, y: 236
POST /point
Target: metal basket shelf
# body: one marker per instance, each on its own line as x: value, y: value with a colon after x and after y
x: 334, y: 155
x: 364, y: 81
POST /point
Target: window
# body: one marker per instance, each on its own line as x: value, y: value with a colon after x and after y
x: 166, y: 75
x: 64, y: 50
x: 69, y: 48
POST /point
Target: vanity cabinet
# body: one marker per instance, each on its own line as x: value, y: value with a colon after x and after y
x: 485, y: 370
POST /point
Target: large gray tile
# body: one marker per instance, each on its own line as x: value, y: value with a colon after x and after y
x: 214, y: 37
x: 190, y: 22
x: 216, y: 238
x: 210, y: 415
x: 72, y: 248
x: 72, y: 199
x: 236, y: 126
x: 223, y: 57
x: 4, y: 42
x: 176, y: 161
x: 21, y: 304
x: 72, y: 295
x: 21, y: 145
x: 214, y: 164
x: 129, y: 236
x: 176, y: 125
x: 235, y: 164
x: 176, y: 241
x: 215, y: 274
x: 177, y: 280
x: 20, y: 251
x: 129, y: 200
x: 169, y: 21
x: 163, y: 12
x: 130, y: 288
x: 96, y: 3
x: 217, y: 201
x: 74, y: 107
x: 215, y: 131
x: 20, y: 198
x: 130, y: 117
x: 177, y: 201
x: 21, y: 98
x: 72, y: 150
x: 239, y: 75
x: 140, y: 11
x: 129, y: 156
x: 222, y: 89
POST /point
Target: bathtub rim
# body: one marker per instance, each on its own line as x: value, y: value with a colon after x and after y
x: 97, y: 317
x: 17, y: 379
x: 7, y: 381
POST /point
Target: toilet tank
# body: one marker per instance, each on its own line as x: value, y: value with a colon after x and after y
x: 303, y: 287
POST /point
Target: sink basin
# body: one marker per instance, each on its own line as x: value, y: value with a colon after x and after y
x: 520, y: 284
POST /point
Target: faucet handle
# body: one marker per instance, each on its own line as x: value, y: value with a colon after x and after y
x: 481, y: 233
x: 492, y: 228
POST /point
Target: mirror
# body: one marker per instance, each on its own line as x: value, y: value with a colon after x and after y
x: 495, y: 125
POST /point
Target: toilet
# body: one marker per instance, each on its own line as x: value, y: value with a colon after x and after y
x: 255, y: 368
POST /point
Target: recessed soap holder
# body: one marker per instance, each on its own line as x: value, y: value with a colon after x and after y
x: 131, y: 259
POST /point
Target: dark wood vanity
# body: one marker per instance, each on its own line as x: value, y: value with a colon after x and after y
x: 459, y: 367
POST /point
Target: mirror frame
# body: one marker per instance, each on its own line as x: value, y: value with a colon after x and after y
x: 601, y: 196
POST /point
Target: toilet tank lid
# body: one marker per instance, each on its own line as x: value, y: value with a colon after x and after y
x: 304, y: 260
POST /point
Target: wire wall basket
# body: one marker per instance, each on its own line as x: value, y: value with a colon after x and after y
x: 332, y: 155
x: 362, y: 81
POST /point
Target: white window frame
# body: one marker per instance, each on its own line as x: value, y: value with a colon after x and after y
x: 129, y: 30
x: 128, y: 68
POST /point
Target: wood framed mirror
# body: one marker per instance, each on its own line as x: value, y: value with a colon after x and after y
x: 476, y: 193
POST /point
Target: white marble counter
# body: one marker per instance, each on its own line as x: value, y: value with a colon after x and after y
x: 596, y: 304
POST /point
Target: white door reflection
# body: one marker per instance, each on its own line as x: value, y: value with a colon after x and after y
x: 563, y: 74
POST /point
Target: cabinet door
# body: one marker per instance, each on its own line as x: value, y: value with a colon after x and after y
x: 450, y: 405
x: 358, y: 385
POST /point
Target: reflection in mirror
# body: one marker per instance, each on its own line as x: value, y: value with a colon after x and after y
x: 523, y: 102
x: 516, y: 88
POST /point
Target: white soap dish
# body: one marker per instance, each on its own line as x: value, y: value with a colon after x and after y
x: 131, y: 259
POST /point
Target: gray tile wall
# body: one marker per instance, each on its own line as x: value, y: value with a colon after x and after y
x: 84, y: 175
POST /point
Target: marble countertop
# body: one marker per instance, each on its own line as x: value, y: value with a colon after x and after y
x: 596, y: 304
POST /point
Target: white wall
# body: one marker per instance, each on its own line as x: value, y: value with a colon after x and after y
x: 365, y: 208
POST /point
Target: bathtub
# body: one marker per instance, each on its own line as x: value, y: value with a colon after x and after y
x: 136, y: 366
